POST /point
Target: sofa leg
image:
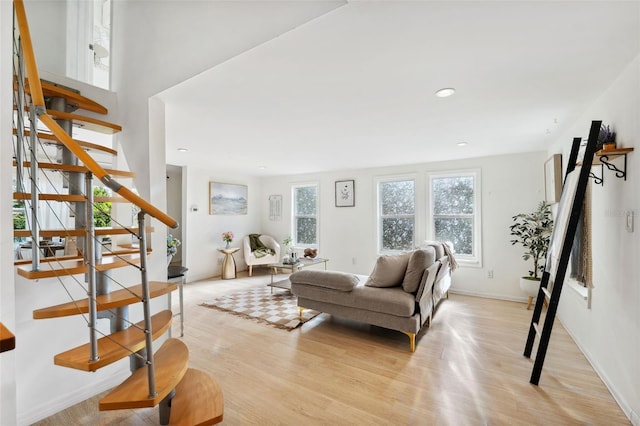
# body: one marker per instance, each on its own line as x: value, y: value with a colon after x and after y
x: 300, y: 309
x: 250, y: 270
x: 412, y: 340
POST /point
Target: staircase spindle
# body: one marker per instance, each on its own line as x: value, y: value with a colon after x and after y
x: 90, y: 259
x: 142, y: 237
x: 35, y: 229
x: 20, y: 120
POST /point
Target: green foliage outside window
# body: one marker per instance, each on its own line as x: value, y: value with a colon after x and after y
x: 102, y: 209
x: 19, y: 221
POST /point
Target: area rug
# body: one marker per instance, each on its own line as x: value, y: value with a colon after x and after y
x: 279, y: 309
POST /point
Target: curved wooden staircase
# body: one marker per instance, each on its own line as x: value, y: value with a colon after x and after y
x: 185, y: 396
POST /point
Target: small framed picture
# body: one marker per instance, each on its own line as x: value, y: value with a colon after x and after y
x: 345, y: 193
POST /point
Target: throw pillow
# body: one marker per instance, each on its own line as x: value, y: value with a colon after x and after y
x: 418, y: 262
x: 389, y: 271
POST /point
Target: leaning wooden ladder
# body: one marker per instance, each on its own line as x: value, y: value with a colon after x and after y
x: 564, y: 230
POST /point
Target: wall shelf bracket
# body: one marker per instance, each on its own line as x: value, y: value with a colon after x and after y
x: 604, y: 158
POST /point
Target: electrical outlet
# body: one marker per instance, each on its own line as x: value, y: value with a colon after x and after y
x: 353, y: 260
x: 490, y: 273
x: 630, y: 221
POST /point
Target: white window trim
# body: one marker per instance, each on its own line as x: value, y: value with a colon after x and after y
x: 395, y: 178
x: 463, y: 260
x: 294, y: 234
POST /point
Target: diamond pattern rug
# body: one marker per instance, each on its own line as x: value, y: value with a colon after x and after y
x: 279, y: 309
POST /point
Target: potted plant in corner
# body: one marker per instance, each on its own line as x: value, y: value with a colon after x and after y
x: 533, y: 231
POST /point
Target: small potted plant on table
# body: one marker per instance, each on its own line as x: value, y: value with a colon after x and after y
x: 533, y: 231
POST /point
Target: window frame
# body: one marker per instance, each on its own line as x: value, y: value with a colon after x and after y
x: 474, y: 260
x: 294, y: 216
x: 395, y: 178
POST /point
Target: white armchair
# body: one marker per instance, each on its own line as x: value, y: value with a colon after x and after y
x: 252, y: 260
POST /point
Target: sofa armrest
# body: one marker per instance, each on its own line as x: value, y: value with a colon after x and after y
x: 334, y: 280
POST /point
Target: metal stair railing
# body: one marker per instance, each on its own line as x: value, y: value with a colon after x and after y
x: 38, y: 111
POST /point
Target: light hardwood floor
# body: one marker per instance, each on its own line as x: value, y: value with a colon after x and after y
x: 468, y: 369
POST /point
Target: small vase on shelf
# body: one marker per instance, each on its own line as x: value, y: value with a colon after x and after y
x: 228, y: 245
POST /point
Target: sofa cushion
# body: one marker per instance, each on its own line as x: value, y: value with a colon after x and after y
x: 328, y: 279
x: 419, y: 260
x: 389, y: 271
x: 391, y: 301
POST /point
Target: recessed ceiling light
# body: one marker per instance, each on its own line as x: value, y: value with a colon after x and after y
x: 446, y: 92
x: 182, y: 150
x: 261, y: 167
x: 462, y: 143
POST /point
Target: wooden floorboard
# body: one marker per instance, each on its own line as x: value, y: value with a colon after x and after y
x: 467, y: 369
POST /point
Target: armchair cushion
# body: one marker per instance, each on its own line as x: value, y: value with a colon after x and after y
x: 269, y: 242
x: 258, y: 248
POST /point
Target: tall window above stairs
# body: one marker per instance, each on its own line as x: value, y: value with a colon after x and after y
x: 89, y: 41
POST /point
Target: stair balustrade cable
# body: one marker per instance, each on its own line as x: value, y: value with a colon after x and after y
x: 37, y: 111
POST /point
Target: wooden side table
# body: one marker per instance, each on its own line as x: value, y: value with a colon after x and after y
x: 228, y: 263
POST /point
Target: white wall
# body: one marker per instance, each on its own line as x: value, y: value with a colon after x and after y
x: 609, y: 332
x: 175, y: 206
x: 204, y: 231
x: 156, y: 45
x: 347, y: 235
x: 48, y: 27
x: 7, y: 286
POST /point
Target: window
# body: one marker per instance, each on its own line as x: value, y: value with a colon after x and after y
x: 305, y: 215
x: 396, y: 214
x: 89, y: 41
x: 455, y: 213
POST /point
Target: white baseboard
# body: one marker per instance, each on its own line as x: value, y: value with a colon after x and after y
x: 624, y: 406
x: 36, y: 413
x: 488, y: 295
x: 633, y: 417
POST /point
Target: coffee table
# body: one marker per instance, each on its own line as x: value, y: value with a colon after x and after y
x: 302, y: 262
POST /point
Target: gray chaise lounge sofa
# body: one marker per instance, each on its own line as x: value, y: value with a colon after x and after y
x: 400, y: 294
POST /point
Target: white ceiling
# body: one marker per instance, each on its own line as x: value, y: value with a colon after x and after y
x: 355, y: 87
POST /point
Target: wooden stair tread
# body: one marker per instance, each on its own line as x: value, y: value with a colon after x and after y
x: 115, y: 346
x: 117, y: 252
x: 48, y: 233
x: 115, y: 299
x: 53, y: 140
x: 73, y: 267
x: 71, y: 198
x: 76, y: 169
x: 198, y: 400
x: 170, y: 365
x: 49, y: 259
x: 7, y: 339
x: 88, y: 123
x: 75, y: 99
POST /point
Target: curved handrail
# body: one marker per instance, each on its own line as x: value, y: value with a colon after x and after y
x: 38, y: 100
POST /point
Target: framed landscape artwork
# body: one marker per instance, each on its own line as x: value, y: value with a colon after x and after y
x: 227, y: 198
x: 345, y: 193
